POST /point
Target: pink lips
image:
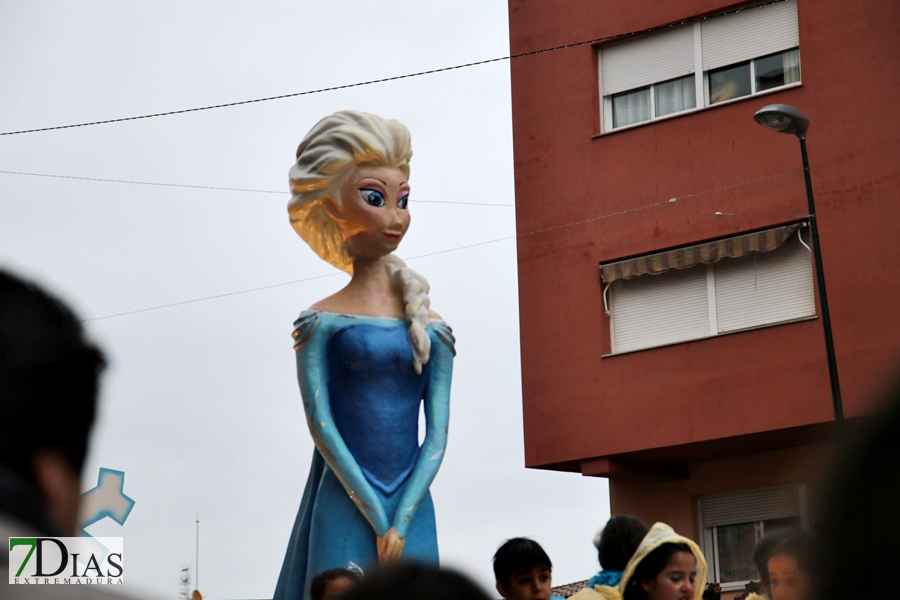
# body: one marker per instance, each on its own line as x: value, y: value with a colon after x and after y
x: 394, y: 236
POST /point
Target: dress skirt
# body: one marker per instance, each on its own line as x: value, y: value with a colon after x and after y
x: 331, y: 532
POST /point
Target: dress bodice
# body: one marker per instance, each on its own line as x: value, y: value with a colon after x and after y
x: 361, y: 396
x: 375, y: 395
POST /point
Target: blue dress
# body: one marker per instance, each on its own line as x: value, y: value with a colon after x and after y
x: 361, y: 395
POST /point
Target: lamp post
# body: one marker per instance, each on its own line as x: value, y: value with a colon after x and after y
x: 784, y: 118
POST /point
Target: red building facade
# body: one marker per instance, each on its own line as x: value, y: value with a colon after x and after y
x: 704, y: 392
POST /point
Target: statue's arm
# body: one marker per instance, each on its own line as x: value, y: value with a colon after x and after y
x: 310, y: 343
x: 437, y: 419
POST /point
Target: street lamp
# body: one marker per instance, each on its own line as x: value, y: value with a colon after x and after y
x: 784, y: 118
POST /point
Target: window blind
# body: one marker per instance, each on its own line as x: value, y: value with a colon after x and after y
x: 659, y: 309
x: 750, y: 505
x: 651, y: 59
x: 749, y: 34
x: 764, y: 287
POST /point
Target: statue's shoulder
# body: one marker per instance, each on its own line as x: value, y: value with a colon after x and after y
x: 444, y: 333
x: 305, y: 326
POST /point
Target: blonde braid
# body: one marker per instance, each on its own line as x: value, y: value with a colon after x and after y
x: 414, y: 288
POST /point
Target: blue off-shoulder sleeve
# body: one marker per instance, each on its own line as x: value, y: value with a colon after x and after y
x: 311, y: 334
x: 437, y: 419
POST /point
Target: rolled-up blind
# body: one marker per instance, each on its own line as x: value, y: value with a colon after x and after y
x: 746, y: 506
x: 645, y: 60
x: 749, y: 34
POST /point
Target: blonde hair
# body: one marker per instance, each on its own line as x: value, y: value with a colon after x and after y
x: 330, y: 151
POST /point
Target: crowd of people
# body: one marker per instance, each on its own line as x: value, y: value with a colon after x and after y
x: 49, y: 375
x: 637, y: 562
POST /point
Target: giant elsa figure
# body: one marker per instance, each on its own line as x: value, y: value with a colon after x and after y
x: 367, y: 358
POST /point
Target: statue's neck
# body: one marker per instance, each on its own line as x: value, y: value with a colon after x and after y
x: 369, y: 274
x: 370, y: 287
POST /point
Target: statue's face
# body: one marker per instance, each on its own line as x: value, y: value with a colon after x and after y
x: 374, y: 215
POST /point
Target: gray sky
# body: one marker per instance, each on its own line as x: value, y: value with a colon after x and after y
x: 200, y: 406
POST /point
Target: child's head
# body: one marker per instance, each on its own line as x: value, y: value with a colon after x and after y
x: 764, y: 549
x: 789, y: 568
x: 522, y: 570
x: 330, y: 583
x: 617, y: 542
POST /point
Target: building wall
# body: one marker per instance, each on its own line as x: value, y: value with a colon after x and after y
x: 675, y: 502
x: 579, y: 406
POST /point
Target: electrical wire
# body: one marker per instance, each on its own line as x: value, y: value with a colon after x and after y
x: 180, y: 185
x: 246, y: 190
x: 458, y: 248
x: 183, y: 302
x: 393, y: 78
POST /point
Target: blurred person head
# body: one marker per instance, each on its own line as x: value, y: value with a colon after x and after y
x: 856, y: 538
x: 752, y: 591
x: 713, y: 591
x: 618, y: 540
x: 523, y: 570
x: 331, y: 583
x: 412, y: 581
x: 666, y: 566
x: 49, y: 377
x: 764, y: 549
x: 789, y: 568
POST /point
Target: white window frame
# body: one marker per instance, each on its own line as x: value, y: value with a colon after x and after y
x: 709, y: 538
x: 610, y: 301
x: 753, y: 90
x: 701, y: 78
x: 653, y: 116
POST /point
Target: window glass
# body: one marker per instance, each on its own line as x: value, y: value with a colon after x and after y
x: 736, y: 544
x: 631, y: 107
x: 729, y: 82
x: 777, y: 70
x: 675, y: 96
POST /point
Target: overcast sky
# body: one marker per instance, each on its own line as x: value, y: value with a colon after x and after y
x: 200, y: 406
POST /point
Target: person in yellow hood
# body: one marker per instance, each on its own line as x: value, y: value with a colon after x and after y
x: 666, y: 566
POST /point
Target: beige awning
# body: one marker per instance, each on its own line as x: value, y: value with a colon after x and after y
x: 710, y: 252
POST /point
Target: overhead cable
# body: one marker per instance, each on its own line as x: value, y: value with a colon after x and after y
x: 393, y: 78
x: 644, y: 208
x: 230, y: 189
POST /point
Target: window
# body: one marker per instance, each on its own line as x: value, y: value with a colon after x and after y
x: 693, y: 66
x: 755, y: 280
x: 733, y: 523
x: 659, y: 100
x: 754, y: 76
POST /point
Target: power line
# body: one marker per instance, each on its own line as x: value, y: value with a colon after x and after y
x: 466, y: 247
x: 393, y: 78
x: 161, y: 306
x: 181, y: 185
x: 246, y: 190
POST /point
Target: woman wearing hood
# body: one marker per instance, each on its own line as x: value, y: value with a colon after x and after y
x: 666, y: 566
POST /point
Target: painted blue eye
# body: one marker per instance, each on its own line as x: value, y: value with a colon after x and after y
x: 372, y: 197
x: 403, y: 201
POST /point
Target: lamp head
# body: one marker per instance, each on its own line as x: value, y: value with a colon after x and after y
x: 783, y: 118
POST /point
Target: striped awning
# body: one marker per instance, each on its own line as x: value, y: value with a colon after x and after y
x: 710, y: 252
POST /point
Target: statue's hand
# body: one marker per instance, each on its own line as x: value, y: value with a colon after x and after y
x: 390, y: 546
